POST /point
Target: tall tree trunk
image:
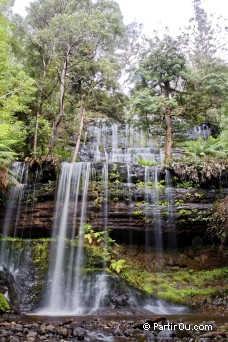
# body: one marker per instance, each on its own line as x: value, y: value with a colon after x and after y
x: 168, y: 123
x: 39, y: 104
x: 168, y: 143
x: 82, y: 116
x: 59, y: 118
x: 37, y: 123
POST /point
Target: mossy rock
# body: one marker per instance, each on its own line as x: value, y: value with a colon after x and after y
x: 4, y: 304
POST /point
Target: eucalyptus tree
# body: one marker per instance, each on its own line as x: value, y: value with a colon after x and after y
x: 75, y: 33
x: 96, y: 85
x: 160, y: 83
x: 16, y: 87
x: 16, y: 92
x: 205, y: 39
x: 205, y: 44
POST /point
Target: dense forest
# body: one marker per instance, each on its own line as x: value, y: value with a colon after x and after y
x: 67, y: 63
x: 62, y: 65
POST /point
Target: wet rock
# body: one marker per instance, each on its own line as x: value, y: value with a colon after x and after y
x: 50, y: 328
x: 42, y: 330
x: 183, y: 333
x: 3, y: 339
x: 63, y: 332
x: 19, y: 327
x: 119, y: 300
x: 14, y: 339
x: 4, y: 333
x: 150, y: 336
x: 10, y: 283
x: 166, y: 334
x: 79, y: 333
x: 32, y: 334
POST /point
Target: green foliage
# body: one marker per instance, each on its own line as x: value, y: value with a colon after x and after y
x: 144, y: 162
x: 201, y: 148
x: 139, y: 213
x: 63, y: 154
x: 98, y: 238
x: 41, y: 253
x: 117, y: 265
x: 6, y: 152
x: 4, y: 305
x: 179, y: 286
x: 16, y: 93
x: 44, y: 135
x: 78, y: 65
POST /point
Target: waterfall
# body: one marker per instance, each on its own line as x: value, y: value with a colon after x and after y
x: 151, y: 195
x: 13, y: 210
x: 172, y: 243
x: 65, y: 274
x: 122, y: 145
x: 71, y: 287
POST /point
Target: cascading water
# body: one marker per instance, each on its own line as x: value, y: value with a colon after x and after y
x: 65, y: 274
x: 13, y: 211
x: 71, y: 288
x: 172, y: 243
x: 153, y: 235
x: 122, y: 145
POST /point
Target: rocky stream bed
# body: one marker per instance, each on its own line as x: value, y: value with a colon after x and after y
x: 132, y: 328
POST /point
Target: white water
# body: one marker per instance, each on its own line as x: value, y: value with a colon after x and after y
x: 172, y: 243
x: 119, y: 145
x: 13, y: 211
x: 64, y: 293
x: 151, y: 195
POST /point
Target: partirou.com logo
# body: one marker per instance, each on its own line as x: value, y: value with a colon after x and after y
x: 180, y: 326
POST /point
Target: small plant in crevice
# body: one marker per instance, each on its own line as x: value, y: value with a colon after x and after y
x: 117, y: 265
x: 144, y: 162
x: 99, y: 243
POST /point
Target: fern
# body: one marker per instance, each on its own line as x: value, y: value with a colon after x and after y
x: 209, y: 147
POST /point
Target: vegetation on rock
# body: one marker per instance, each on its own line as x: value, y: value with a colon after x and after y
x: 219, y: 223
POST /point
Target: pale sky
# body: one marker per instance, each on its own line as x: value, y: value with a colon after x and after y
x: 156, y: 14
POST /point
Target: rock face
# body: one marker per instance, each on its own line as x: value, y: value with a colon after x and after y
x: 137, y: 202
x: 134, y: 209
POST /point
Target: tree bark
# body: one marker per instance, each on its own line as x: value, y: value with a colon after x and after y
x: 39, y: 104
x: 82, y: 115
x: 37, y: 123
x: 168, y: 123
x: 59, y: 118
x: 168, y: 145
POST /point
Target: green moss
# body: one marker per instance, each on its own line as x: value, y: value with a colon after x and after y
x: 183, y: 212
x: 199, y: 195
x: 178, y: 287
x: 40, y: 253
x: 4, y: 305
